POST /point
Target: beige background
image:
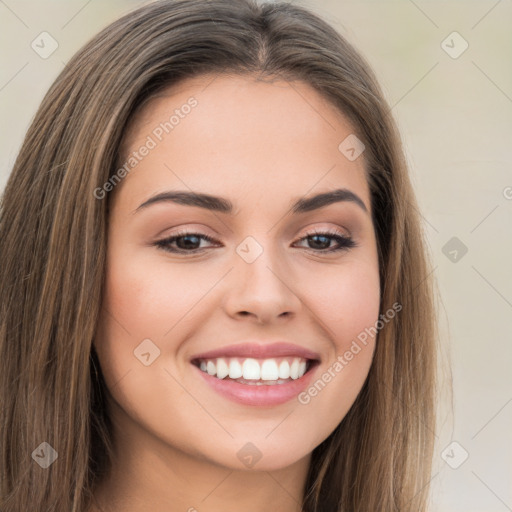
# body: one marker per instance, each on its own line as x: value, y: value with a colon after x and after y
x: 455, y: 115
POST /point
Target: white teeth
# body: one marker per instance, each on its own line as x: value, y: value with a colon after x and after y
x: 251, y: 369
x: 222, y: 368
x: 235, y: 369
x: 269, y: 370
x: 302, y: 368
x: 211, y: 368
x: 294, y: 369
x: 276, y: 370
x: 284, y: 370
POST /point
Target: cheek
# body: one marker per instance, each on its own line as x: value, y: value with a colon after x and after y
x: 149, y: 298
x: 146, y: 300
x: 346, y: 300
x: 346, y: 304
x: 143, y: 301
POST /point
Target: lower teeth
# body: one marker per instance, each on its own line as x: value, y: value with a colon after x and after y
x: 261, y: 382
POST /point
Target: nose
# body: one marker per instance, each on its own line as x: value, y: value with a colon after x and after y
x: 262, y: 290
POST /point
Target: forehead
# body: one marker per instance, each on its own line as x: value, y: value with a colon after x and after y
x: 242, y: 135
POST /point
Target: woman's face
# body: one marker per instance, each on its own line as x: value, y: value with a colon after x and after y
x: 265, y: 296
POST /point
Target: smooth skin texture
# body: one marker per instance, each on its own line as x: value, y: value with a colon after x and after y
x: 261, y: 145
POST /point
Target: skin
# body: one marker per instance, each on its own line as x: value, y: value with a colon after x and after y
x: 262, y: 146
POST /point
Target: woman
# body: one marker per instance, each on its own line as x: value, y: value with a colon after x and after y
x: 215, y: 287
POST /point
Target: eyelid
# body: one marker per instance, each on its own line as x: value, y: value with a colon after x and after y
x: 326, y: 230
x: 189, y: 229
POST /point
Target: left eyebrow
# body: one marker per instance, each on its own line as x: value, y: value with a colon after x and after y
x: 223, y: 205
x: 341, y: 194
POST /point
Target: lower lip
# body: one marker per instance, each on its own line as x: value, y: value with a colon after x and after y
x: 248, y: 394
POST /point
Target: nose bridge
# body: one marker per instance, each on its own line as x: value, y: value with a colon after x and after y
x: 260, y: 283
x: 258, y: 264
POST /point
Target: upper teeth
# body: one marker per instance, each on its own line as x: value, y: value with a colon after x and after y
x: 255, y: 369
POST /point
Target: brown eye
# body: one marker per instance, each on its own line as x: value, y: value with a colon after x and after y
x: 185, y: 242
x: 321, y: 242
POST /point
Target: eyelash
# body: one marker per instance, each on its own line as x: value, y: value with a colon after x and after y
x: 344, y: 242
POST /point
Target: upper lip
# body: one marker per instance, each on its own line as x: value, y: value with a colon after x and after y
x: 259, y: 350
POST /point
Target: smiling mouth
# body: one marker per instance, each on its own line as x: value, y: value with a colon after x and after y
x: 256, y: 372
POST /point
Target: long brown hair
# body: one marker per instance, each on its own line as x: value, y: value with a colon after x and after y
x: 53, y: 236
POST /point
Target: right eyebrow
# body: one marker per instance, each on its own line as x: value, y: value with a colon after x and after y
x: 206, y: 201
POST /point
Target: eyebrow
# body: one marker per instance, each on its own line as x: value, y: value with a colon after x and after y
x: 223, y: 205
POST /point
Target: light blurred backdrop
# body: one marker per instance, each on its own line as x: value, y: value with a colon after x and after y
x: 446, y: 70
